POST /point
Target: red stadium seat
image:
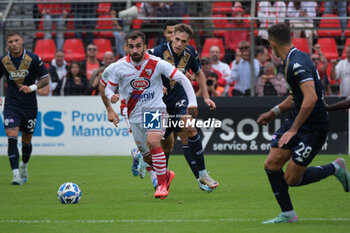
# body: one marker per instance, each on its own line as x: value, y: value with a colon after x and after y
x: 136, y: 24
x: 74, y: 50
x: 328, y: 48
x: 104, y: 8
x: 103, y: 45
x: 210, y: 42
x: 193, y: 43
x: 45, y: 49
x: 301, y: 44
x: 332, y: 26
x: 347, y: 43
x: 220, y: 23
x: 222, y: 7
x: 347, y: 31
x: 104, y: 23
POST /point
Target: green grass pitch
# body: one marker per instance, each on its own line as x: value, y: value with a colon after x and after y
x: 115, y: 201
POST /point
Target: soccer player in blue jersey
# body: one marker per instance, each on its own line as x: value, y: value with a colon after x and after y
x: 185, y: 58
x: 303, y: 133
x: 21, y: 68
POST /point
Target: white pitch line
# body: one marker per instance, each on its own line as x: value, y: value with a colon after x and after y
x: 160, y: 220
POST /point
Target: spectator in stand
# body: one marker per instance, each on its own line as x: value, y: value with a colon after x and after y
x: 233, y: 37
x: 171, y: 10
x: 207, y: 68
x: 83, y: 12
x: 201, y: 9
x: 74, y: 83
x: 270, y: 83
x: 94, y: 82
x: 108, y: 58
x: 298, y: 9
x: 55, y: 13
x: 321, y: 64
x: 57, y: 70
x: 341, y: 70
x: 149, y: 10
x: 214, y: 55
x: 213, y: 88
x: 91, y: 63
x: 341, y: 8
x: 262, y: 55
x: 241, y: 71
x: 269, y: 14
x: 118, y: 33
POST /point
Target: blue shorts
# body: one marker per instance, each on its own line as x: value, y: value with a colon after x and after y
x: 304, y: 145
x: 175, y: 111
x: 24, y: 119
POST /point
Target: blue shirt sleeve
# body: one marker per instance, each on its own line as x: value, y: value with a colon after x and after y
x: 41, y: 69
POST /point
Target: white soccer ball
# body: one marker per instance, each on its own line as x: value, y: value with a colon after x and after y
x: 69, y: 193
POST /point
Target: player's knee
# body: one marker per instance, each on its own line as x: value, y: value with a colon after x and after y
x: 290, y: 180
x: 272, y: 166
x: 153, y: 143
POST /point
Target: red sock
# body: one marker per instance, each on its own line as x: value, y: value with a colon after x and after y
x: 159, y: 164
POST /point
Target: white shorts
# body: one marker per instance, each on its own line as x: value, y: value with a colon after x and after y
x: 140, y: 136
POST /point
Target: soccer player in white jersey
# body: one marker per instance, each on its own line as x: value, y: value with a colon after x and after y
x: 138, y: 77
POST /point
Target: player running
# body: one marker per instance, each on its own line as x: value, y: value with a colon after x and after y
x: 303, y: 133
x: 138, y: 77
x: 21, y: 69
x: 179, y: 53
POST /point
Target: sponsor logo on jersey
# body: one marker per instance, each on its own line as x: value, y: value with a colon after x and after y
x: 19, y: 74
x: 296, y: 66
x: 140, y: 85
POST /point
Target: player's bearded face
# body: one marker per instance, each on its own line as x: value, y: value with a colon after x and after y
x: 136, y: 49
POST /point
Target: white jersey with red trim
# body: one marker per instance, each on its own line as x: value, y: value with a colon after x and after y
x: 141, y: 86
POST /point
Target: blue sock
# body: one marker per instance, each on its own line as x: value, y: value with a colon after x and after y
x: 195, y: 144
x: 191, y: 160
x: 12, y: 152
x: 280, y: 189
x: 314, y: 174
x: 26, y: 152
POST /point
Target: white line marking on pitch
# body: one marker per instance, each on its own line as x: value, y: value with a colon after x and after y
x: 160, y: 220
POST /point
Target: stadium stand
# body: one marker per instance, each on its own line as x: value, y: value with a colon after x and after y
x: 45, y: 48
x: 74, y: 50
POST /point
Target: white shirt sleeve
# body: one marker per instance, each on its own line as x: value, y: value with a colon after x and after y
x: 112, y: 82
x: 186, y: 84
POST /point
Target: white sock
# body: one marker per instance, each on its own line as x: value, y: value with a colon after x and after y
x: 15, y: 172
x: 202, y: 173
x: 152, y: 174
x: 336, y: 166
x: 24, y: 165
x: 290, y: 214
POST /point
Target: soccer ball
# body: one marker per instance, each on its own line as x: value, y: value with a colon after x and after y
x: 69, y: 193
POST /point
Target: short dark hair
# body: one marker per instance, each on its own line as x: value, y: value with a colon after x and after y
x: 170, y: 23
x: 181, y: 27
x: 213, y: 74
x: 12, y: 33
x: 280, y: 33
x: 134, y: 35
x: 259, y: 50
x: 59, y: 50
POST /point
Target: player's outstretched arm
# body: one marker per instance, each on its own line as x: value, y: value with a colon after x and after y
x: 345, y: 104
x: 266, y: 117
x: 40, y: 84
x: 203, y: 87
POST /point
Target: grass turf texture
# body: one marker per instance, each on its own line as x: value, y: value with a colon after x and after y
x: 115, y: 201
